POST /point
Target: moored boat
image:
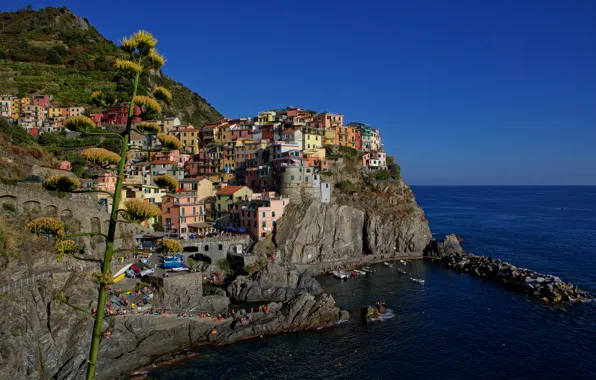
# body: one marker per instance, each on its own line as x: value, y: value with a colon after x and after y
x: 404, y: 262
x: 358, y: 272
x: 388, y: 265
x: 401, y: 271
x: 340, y: 275
x: 367, y: 270
x: 417, y: 280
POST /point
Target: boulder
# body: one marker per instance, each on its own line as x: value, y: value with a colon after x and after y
x: 273, y: 283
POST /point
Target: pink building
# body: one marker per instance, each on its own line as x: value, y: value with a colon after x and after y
x: 184, y: 213
x: 327, y: 120
x: 374, y: 161
x: 119, y: 115
x: 260, y: 217
x: 293, y: 112
x: 41, y: 100
x: 260, y: 178
x: 241, y: 132
x: 106, y: 181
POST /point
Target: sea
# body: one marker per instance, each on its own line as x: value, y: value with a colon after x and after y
x: 455, y: 326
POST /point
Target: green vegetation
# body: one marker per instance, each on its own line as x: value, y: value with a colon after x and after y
x: 224, y: 265
x: 346, y: 187
x: 54, y: 52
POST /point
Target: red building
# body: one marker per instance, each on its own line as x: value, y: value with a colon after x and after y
x: 41, y: 100
x: 268, y: 132
x: 119, y: 115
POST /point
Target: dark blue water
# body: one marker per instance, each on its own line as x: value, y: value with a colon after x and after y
x: 455, y: 326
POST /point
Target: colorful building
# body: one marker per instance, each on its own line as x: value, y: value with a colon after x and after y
x: 181, y: 210
x: 260, y: 217
x: 374, y: 161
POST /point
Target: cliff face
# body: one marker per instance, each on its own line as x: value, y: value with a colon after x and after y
x: 381, y: 217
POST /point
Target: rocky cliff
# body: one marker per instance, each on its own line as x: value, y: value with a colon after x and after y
x: 374, y: 218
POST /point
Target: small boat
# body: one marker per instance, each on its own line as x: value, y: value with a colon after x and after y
x: 340, y: 275
x: 388, y: 265
x: 367, y: 270
x: 401, y: 271
x: 358, y: 272
x: 418, y: 280
x: 404, y: 262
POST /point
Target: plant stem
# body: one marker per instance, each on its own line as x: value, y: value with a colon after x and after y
x: 107, y: 260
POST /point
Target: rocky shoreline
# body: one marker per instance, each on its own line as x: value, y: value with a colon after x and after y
x: 138, y: 341
x: 546, y: 288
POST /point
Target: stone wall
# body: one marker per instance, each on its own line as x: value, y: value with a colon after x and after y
x: 215, y: 248
x: 80, y: 212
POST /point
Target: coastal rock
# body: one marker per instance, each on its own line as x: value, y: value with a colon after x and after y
x: 449, y: 247
x: 273, y: 283
x: 372, y: 312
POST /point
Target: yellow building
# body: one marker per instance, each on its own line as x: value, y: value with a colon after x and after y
x: 190, y: 139
x: 312, y: 138
x: 54, y: 112
x: 266, y: 117
x: 222, y: 134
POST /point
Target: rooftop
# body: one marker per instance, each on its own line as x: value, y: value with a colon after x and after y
x: 229, y: 190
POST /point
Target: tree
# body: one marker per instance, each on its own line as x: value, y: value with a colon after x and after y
x: 141, y: 57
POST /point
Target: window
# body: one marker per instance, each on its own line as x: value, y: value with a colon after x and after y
x: 308, y: 170
x: 273, y: 214
x: 168, y: 211
x: 263, y: 214
x: 183, y: 230
x: 206, y: 248
x: 220, y: 246
x: 291, y: 178
x: 264, y: 224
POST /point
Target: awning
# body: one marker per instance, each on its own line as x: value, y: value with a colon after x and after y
x: 241, y: 230
x: 200, y: 226
x: 231, y: 229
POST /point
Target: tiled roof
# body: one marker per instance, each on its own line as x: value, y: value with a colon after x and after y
x: 228, y: 190
x: 159, y: 162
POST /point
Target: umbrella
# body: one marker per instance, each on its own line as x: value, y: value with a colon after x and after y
x: 242, y: 230
x: 231, y: 229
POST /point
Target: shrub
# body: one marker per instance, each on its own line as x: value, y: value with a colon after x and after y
x: 61, y: 183
x: 382, y: 175
x: 346, y: 187
x: 170, y: 246
x: 225, y: 265
x: 395, y: 171
x: 138, y: 211
x: 9, y: 206
x: 9, y: 239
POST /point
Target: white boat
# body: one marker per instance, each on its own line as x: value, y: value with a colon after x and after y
x: 403, y: 262
x: 419, y: 281
x: 388, y: 265
x: 179, y: 269
x: 358, y: 272
x: 401, y: 271
x: 340, y: 275
x: 367, y: 270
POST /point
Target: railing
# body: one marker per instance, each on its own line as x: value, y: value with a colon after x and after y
x: 24, y: 282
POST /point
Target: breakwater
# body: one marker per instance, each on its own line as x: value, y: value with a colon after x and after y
x: 547, y: 288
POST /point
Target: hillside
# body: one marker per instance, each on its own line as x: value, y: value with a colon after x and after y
x: 53, y: 51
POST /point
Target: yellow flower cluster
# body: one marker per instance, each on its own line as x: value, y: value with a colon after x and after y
x: 65, y: 248
x: 169, y: 142
x: 171, y: 246
x: 79, y: 123
x: 103, y: 278
x: 148, y: 128
x: 50, y: 226
x: 156, y: 59
x: 151, y: 105
x: 100, y: 156
x: 162, y: 93
x: 138, y: 211
x: 61, y: 183
x: 141, y: 40
x: 166, y: 181
x: 128, y: 68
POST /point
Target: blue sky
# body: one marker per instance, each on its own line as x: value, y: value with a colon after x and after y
x: 464, y: 92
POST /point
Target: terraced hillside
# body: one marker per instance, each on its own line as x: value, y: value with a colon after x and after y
x: 53, y: 51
